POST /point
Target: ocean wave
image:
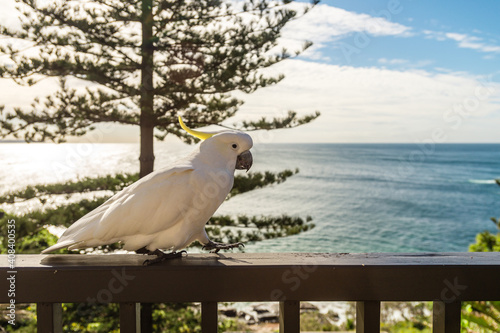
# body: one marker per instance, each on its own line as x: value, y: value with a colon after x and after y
x: 482, y: 181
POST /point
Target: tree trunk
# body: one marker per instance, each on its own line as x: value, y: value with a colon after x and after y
x: 147, y: 157
x: 147, y: 94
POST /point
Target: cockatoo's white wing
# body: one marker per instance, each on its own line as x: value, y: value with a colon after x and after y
x: 153, y: 203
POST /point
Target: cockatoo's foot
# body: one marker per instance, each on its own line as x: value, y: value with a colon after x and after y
x: 161, y: 256
x: 216, y: 247
x: 144, y: 250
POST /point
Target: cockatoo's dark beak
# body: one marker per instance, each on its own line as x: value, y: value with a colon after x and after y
x: 244, y: 161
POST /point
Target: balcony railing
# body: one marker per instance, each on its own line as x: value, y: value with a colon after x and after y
x: 444, y: 278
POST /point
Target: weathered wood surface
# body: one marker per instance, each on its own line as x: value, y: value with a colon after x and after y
x: 446, y: 277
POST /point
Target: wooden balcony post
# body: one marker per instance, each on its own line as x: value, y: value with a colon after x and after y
x: 146, y: 318
x: 49, y: 317
x: 130, y: 317
x: 290, y: 317
x: 368, y: 317
x: 209, y: 317
x: 446, y: 317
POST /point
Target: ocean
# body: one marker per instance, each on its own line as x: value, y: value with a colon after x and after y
x: 361, y: 197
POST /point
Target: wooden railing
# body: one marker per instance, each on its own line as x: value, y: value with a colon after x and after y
x: 444, y: 278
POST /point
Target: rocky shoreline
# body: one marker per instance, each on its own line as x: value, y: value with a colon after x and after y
x: 264, y: 317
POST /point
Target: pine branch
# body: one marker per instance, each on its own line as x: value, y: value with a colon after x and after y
x: 70, y: 114
x: 88, y: 184
x: 289, y: 121
x: 255, y: 180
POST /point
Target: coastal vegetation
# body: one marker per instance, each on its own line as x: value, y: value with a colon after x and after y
x: 483, y: 317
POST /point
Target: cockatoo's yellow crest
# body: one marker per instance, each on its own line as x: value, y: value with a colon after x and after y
x: 198, y: 134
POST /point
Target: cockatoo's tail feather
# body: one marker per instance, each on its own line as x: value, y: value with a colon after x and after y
x: 60, y: 245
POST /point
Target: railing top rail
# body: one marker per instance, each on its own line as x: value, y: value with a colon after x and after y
x: 78, y: 261
x: 256, y: 277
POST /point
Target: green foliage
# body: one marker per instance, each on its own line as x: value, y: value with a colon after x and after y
x: 314, y: 321
x: 416, y: 317
x: 245, y: 229
x: 242, y: 183
x: 254, y: 180
x: 486, y: 242
x: 32, y: 237
x: 104, y: 318
x: 32, y: 243
x: 105, y: 183
x: 483, y: 317
x: 289, y: 121
x: 25, y: 319
x: 176, y: 317
x: 404, y: 327
x: 86, y: 317
x: 29, y: 226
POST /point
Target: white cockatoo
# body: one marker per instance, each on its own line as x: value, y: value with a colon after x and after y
x: 167, y: 209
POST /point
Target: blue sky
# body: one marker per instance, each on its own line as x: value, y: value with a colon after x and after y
x: 429, y: 20
x: 379, y: 71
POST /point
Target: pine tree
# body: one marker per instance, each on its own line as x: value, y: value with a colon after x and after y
x: 145, y: 62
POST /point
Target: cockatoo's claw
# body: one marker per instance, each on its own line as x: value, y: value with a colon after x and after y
x: 216, y: 247
x: 162, y: 257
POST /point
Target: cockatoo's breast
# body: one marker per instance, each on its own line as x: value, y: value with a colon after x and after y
x: 208, y: 189
x: 211, y: 187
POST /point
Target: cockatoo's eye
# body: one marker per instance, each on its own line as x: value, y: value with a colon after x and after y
x: 234, y: 145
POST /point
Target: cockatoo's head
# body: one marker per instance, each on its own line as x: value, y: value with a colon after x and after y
x: 232, y: 145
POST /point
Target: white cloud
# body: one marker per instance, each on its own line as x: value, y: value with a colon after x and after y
x: 377, y: 104
x: 472, y: 42
x: 325, y: 24
x: 463, y: 41
x: 404, y: 63
x: 385, y: 61
x: 363, y: 104
x: 458, y: 37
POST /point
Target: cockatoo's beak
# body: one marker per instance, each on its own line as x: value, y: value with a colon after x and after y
x: 244, y: 161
